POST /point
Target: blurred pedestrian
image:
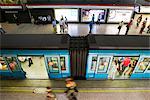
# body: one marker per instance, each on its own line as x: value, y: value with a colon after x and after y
x: 93, y: 18
x: 61, y: 23
x: 139, y: 21
x: 128, y: 26
x: 120, y: 26
x: 91, y: 26
x: 72, y: 96
x: 16, y: 19
x: 50, y: 95
x: 143, y: 26
x: 2, y: 31
x: 54, y: 23
x: 70, y: 85
x: 30, y: 61
x: 32, y: 20
x: 148, y: 28
x: 99, y: 19
x: 66, y: 21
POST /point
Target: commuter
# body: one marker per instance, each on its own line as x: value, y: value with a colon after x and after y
x: 99, y: 19
x: 16, y: 19
x: 2, y: 31
x: 93, y: 17
x: 71, y: 85
x: 50, y: 94
x: 30, y: 61
x: 32, y: 20
x: 139, y: 21
x: 65, y: 29
x: 120, y: 26
x: 143, y: 26
x: 91, y: 26
x: 148, y: 27
x: 71, y: 96
x: 54, y: 25
x: 66, y: 21
x: 62, y: 23
x: 126, y: 63
x: 128, y: 26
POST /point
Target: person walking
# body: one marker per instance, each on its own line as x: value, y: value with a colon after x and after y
x: 120, y: 26
x: 70, y: 85
x: 50, y: 95
x: 139, y: 21
x: 99, y: 19
x: 148, y: 29
x: 91, y: 26
x: 54, y: 25
x: 128, y: 26
x: 2, y: 31
x: 32, y: 20
x: 143, y: 26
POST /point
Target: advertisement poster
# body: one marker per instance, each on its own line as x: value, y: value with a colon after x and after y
x: 120, y: 15
x: 71, y: 14
x: 86, y: 15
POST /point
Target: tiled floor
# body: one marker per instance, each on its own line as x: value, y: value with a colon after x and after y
x: 75, y: 29
x: 80, y: 96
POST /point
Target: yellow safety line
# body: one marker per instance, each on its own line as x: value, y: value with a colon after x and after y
x: 82, y: 91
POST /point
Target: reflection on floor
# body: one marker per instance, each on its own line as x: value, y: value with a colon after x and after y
x: 37, y: 70
x: 76, y: 29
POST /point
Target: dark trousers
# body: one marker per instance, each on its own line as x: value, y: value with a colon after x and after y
x: 2, y: 31
x: 127, y: 31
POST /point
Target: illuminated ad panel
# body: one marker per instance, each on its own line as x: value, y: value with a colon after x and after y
x: 86, y: 15
x: 71, y: 14
x: 120, y: 15
x: 145, y: 9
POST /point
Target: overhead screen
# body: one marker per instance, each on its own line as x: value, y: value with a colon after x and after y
x: 120, y: 15
x: 71, y: 14
x: 86, y: 15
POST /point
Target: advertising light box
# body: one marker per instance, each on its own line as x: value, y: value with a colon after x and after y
x: 71, y: 14
x: 145, y: 9
x: 120, y: 15
x: 86, y: 15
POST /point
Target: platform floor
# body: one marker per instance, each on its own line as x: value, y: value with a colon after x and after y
x: 76, y: 29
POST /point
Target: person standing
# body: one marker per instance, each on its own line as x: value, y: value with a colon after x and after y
x: 143, y: 25
x: 32, y: 20
x: 93, y: 17
x: 66, y: 21
x: 91, y: 26
x: 2, y: 31
x: 120, y: 26
x: 54, y: 25
x: 61, y: 23
x: 16, y: 19
x: 99, y: 19
x: 30, y: 61
x: 139, y: 21
x: 128, y: 26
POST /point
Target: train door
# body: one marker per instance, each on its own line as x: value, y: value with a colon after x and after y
x: 98, y: 66
x: 34, y: 66
x: 142, y: 69
x: 58, y: 66
x: 12, y: 68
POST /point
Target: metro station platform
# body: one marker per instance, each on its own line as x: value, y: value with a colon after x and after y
x: 88, y: 89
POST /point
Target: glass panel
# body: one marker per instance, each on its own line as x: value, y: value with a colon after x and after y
x: 122, y: 67
x: 3, y: 65
x: 53, y: 64
x: 103, y: 63
x: 62, y: 63
x: 143, y: 64
x: 13, y: 64
x: 94, y: 63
